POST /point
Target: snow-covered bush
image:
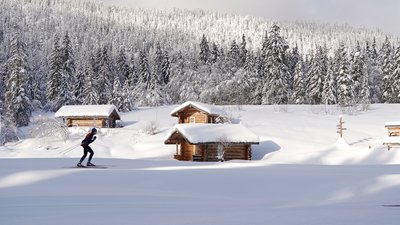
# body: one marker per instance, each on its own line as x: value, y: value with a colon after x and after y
x: 150, y: 128
x: 231, y: 115
x: 8, y: 132
x: 48, y: 127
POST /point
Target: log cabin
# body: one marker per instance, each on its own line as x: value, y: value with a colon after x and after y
x: 89, y: 115
x: 200, y: 135
x: 393, y: 138
x: 196, y: 112
x: 211, y: 142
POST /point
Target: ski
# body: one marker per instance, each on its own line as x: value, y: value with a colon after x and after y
x: 88, y: 167
x: 391, y: 205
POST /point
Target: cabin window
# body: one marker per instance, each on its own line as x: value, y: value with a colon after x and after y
x: 192, y: 119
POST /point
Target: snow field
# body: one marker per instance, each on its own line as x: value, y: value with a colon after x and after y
x: 301, y: 174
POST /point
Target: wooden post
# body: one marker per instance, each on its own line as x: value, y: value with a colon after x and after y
x: 340, y: 127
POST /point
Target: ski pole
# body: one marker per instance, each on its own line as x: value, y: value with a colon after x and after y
x: 65, y: 151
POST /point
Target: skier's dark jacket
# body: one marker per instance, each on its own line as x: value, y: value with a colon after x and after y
x: 88, y: 139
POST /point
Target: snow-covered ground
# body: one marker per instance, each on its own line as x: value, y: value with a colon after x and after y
x: 301, y: 173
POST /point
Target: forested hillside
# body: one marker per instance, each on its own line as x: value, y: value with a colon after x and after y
x: 57, y: 52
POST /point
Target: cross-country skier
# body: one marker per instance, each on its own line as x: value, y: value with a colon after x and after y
x: 87, y: 149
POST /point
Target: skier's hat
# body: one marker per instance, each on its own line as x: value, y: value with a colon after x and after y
x: 94, y: 130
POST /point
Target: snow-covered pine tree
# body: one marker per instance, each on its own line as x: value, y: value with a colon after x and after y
x: 90, y: 93
x: 54, y: 78
x: 8, y: 130
x: 396, y: 77
x: 317, y: 75
x: 117, y: 94
x: 215, y: 53
x: 275, y: 90
x: 345, y: 93
x: 365, y: 93
x: 373, y: 72
x: 176, y: 78
x: 293, y: 59
x: 299, y: 86
x: 79, y: 86
x: 145, y: 80
x: 161, y: 64
x: 386, y: 62
x: 127, y: 97
x: 18, y: 107
x: 204, y: 50
x: 104, y: 76
x: 329, y: 95
x: 166, y: 68
x: 66, y: 93
x: 259, y: 80
x: 123, y: 69
x: 243, y: 51
x: 357, y: 72
x: 234, y: 58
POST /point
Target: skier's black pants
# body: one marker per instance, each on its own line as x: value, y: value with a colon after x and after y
x: 87, y: 149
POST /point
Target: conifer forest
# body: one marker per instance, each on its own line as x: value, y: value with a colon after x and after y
x: 63, y: 52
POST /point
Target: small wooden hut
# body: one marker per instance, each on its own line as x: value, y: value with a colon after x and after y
x: 211, y: 142
x: 89, y: 115
x: 393, y: 138
x: 196, y: 112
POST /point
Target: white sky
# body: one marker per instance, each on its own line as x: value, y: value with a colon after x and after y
x: 382, y: 14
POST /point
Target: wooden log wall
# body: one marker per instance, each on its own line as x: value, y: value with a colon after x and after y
x: 394, y: 131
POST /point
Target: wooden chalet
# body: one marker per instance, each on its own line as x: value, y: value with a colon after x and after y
x: 195, y: 112
x: 89, y: 115
x: 211, y: 142
x: 393, y: 138
x: 198, y: 136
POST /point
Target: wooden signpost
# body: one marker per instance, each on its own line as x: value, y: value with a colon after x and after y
x: 340, y: 127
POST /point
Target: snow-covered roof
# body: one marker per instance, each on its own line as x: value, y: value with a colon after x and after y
x: 86, y: 111
x: 391, y: 140
x: 392, y: 124
x: 210, y: 109
x: 214, y: 133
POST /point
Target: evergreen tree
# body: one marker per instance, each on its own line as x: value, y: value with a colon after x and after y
x: 165, y: 68
x: 275, y: 90
x: 146, y: 82
x: 117, y: 94
x: 243, y: 51
x: 215, y: 53
x: 234, y: 56
x: 396, y: 77
x: 127, y: 97
x: 204, y: 50
x: 79, y: 86
x: 317, y: 75
x: 329, y: 95
x: 386, y: 61
x: 123, y: 69
x: 104, y: 76
x: 161, y: 66
x: 345, y: 93
x: 373, y: 72
x: 55, y: 71
x: 299, y: 86
x: 357, y: 72
x: 144, y: 71
x: 365, y: 93
x: 66, y: 93
x: 18, y: 107
x: 293, y: 59
x: 90, y: 90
